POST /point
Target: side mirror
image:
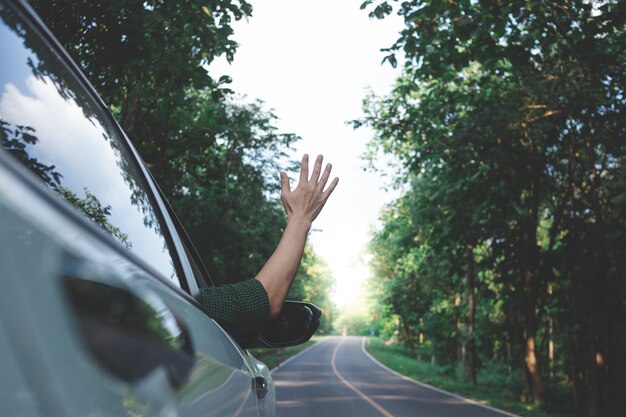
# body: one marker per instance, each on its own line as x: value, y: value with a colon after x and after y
x: 295, y: 325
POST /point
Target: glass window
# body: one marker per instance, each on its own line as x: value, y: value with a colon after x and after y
x: 53, y: 126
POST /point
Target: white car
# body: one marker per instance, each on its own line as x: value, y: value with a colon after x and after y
x: 97, y: 277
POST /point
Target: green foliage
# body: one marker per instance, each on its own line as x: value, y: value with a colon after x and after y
x: 221, y: 176
x: 15, y: 139
x: 354, y: 323
x: 142, y: 56
x: 147, y: 61
x: 93, y: 209
x: 273, y: 357
x: 498, y: 388
x: 216, y: 160
x: 508, y: 125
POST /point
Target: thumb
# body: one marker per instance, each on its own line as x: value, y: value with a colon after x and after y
x: 284, y: 183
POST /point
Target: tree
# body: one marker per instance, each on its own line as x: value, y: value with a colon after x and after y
x: 216, y: 161
x: 512, y: 115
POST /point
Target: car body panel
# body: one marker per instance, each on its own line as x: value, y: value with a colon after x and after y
x: 50, y: 369
x: 38, y: 242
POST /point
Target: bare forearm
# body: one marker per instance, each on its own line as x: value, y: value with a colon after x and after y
x: 302, y: 206
x: 278, y: 273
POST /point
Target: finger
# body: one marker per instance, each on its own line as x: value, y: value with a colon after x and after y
x: 325, y: 176
x: 330, y: 188
x: 284, y: 183
x: 317, y: 169
x: 304, y: 169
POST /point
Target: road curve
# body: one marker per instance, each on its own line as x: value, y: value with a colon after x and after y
x: 337, y: 377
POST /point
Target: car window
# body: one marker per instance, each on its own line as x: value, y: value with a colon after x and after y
x: 53, y: 126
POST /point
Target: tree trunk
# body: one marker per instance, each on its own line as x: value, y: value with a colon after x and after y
x: 472, y: 359
x: 531, y: 324
x: 461, y: 356
x: 420, y: 339
x: 551, y: 347
x: 407, y: 335
x: 598, y: 340
x: 532, y: 364
x: 530, y: 270
x: 528, y: 384
x: 574, y: 367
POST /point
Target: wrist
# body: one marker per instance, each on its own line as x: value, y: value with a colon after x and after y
x: 300, y: 222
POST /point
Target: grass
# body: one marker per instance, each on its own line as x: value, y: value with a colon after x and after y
x: 496, y: 386
x: 274, y: 357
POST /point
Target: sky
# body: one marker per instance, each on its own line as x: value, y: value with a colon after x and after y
x: 313, y: 63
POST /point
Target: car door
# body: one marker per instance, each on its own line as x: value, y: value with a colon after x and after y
x: 96, y: 314
x: 86, y: 330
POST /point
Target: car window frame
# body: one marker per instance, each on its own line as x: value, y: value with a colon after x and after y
x: 182, y: 266
x: 201, y: 272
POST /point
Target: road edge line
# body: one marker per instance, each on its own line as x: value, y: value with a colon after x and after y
x: 370, y: 401
x: 425, y: 385
x: 277, y: 367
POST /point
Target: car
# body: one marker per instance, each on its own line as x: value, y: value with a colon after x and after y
x: 98, y: 278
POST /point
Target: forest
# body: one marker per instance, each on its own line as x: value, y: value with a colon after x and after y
x: 216, y: 159
x: 507, y: 247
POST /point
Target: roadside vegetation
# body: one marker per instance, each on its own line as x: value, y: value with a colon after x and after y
x: 216, y: 157
x: 505, y: 256
x: 498, y: 386
x: 275, y: 357
x: 503, y: 262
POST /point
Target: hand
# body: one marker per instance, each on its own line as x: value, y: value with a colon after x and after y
x: 306, y: 201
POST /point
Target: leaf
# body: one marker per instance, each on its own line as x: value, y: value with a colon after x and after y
x: 225, y: 79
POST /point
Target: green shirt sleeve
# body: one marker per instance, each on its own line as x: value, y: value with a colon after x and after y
x: 243, y: 306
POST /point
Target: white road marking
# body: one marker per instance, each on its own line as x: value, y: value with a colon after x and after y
x: 276, y: 368
x: 352, y: 387
x: 424, y: 385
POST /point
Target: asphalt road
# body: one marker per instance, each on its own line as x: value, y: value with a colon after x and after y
x: 337, y: 377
